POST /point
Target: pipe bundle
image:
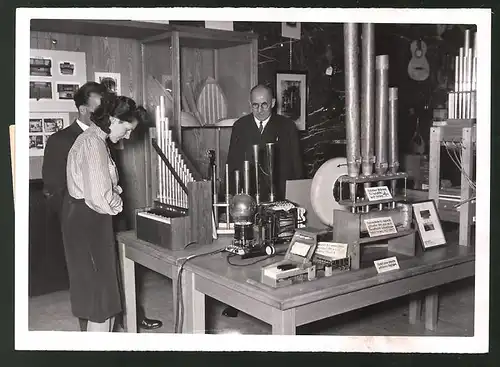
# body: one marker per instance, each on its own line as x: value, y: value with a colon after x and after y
x: 378, y: 126
x: 462, y: 100
x: 170, y: 190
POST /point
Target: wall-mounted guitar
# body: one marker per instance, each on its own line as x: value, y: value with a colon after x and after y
x: 418, y: 67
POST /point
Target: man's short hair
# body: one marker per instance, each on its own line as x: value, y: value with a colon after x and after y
x: 83, y: 93
x: 262, y: 86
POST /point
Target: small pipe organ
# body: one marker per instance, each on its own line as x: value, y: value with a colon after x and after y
x: 368, y: 208
x: 182, y: 211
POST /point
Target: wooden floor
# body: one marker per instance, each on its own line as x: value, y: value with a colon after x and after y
x: 456, y: 314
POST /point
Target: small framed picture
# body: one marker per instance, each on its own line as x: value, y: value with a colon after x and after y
x: 291, y: 96
x: 67, y: 68
x: 52, y: 125
x: 36, y: 126
x: 40, y: 90
x: 110, y: 80
x: 428, y: 224
x: 36, y: 144
x: 40, y: 66
x: 66, y: 91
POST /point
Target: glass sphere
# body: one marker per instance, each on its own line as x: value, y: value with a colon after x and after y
x: 243, y: 208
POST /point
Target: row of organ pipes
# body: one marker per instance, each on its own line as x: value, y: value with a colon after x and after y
x: 170, y: 190
x: 462, y: 100
x: 372, y: 138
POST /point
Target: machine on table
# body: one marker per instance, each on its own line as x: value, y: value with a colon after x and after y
x: 182, y: 211
x: 367, y: 207
x: 260, y: 228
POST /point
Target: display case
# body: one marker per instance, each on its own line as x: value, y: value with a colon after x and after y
x: 205, y: 76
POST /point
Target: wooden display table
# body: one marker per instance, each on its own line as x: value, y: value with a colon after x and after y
x: 289, y: 307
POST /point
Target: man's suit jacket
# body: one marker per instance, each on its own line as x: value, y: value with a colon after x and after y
x: 288, y: 161
x: 54, y: 164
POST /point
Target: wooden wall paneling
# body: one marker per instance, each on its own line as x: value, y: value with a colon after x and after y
x: 112, y: 55
x: 234, y: 66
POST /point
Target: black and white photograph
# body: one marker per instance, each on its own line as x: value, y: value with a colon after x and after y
x: 36, y: 142
x: 222, y: 192
x: 110, y: 80
x: 291, y: 97
x: 36, y: 126
x: 52, y: 125
x: 67, y: 68
x: 40, y: 90
x: 40, y: 66
x: 66, y: 91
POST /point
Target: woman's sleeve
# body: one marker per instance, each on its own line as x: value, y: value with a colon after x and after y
x: 97, y: 185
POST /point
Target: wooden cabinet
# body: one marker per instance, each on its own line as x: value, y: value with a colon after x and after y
x: 177, y: 63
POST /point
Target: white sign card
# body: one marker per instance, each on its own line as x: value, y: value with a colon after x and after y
x: 380, y: 226
x: 385, y: 265
x: 110, y: 80
x: 290, y: 30
x: 429, y: 225
x: 332, y: 250
x: 378, y: 193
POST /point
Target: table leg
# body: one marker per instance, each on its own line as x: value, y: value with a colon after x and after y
x: 415, y: 311
x: 128, y: 283
x: 431, y: 310
x: 283, y: 322
x: 193, y: 303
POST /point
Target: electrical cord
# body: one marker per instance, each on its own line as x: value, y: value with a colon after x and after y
x: 179, y: 312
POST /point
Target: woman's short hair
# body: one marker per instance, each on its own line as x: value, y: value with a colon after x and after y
x: 121, y: 107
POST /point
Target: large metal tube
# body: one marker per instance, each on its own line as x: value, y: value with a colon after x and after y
x: 270, y: 170
x: 351, y: 98
x: 256, y: 170
x: 393, y: 131
x: 381, y: 102
x: 237, y: 182
x: 246, y: 177
x: 367, y: 98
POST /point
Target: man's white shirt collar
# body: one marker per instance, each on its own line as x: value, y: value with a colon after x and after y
x: 264, y: 123
x: 82, y: 125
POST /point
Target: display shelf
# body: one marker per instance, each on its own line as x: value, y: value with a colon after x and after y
x: 446, y: 132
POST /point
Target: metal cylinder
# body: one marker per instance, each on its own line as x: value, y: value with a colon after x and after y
x: 381, y: 114
x: 351, y: 97
x: 367, y: 98
x: 270, y: 170
x: 467, y: 39
x: 246, y: 177
x: 393, y: 130
x: 227, y: 183
x: 237, y: 182
x: 256, y: 170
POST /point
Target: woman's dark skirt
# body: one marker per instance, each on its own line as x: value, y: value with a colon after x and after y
x: 91, y: 257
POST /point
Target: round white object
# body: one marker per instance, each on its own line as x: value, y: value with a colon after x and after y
x: 322, y: 200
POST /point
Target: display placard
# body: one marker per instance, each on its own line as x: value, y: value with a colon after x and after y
x: 378, y: 193
x: 387, y: 264
x: 428, y: 224
x: 380, y: 226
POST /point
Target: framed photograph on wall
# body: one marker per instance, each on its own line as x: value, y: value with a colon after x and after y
x: 291, y: 96
x: 428, y: 224
x: 110, y: 80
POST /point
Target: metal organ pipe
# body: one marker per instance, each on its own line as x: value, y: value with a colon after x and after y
x: 381, y: 102
x: 367, y: 96
x: 352, y: 98
x: 256, y: 164
x: 393, y: 135
x: 246, y: 177
x: 270, y: 163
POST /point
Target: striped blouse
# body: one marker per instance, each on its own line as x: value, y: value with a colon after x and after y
x: 92, y: 174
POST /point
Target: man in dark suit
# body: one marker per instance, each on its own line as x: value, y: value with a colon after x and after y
x: 87, y: 98
x: 260, y: 127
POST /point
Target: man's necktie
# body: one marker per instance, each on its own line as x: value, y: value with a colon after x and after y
x: 261, y: 127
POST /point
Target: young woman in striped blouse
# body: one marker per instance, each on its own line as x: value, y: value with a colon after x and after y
x: 93, y: 198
